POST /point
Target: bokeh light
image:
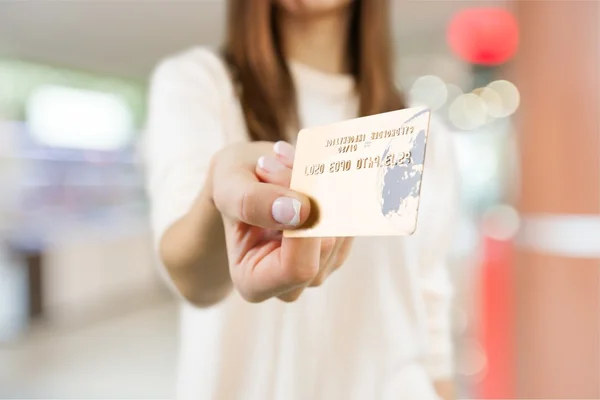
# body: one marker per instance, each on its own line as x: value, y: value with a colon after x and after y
x: 473, y: 362
x: 468, y: 112
x: 430, y: 91
x: 453, y: 91
x: 461, y: 321
x: 501, y: 222
x: 509, y: 95
x: 492, y: 100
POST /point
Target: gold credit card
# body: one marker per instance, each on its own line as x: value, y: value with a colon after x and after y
x: 363, y: 176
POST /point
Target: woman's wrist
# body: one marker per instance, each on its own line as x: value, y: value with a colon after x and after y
x: 204, y: 206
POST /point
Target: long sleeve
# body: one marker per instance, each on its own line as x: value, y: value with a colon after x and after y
x: 438, y: 217
x: 185, y: 127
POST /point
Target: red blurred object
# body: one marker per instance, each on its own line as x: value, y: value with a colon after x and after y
x: 485, y: 36
x: 497, y: 320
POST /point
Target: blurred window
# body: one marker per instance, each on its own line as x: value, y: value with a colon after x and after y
x: 73, y: 118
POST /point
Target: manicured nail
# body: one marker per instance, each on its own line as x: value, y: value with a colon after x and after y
x: 286, y: 211
x: 284, y: 150
x: 270, y: 164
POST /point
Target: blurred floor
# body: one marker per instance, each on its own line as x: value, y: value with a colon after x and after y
x: 129, y: 356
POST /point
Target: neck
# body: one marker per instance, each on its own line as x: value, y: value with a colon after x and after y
x: 319, y: 41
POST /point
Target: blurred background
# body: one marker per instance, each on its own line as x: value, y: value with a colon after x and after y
x: 83, y: 313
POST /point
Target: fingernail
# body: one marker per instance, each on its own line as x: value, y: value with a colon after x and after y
x: 270, y: 164
x: 286, y: 211
x: 284, y: 150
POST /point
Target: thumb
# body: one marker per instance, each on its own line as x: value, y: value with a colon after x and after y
x: 243, y: 198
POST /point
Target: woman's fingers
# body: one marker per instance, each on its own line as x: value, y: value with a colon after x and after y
x: 326, y: 261
x: 286, y: 271
x: 242, y: 198
x: 276, y: 169
x: 328, y: 246
x: 325, y: 254
x: 285, y: 153
x: 343, y: 251
x: 280, y: 272
x: 292, y: 295
x: 337, y: 257
x: 270, y: 169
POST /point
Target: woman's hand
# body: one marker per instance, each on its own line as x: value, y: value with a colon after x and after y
x: 277, y: 168
x: 250, y: 187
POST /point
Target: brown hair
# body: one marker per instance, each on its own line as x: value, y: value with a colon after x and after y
x: 254, y: 55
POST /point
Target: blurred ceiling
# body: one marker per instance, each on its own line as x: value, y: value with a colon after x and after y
x: 127, y: 37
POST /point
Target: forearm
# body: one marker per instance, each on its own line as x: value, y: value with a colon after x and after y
x: 194, y: 253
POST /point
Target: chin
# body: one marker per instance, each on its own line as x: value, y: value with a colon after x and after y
x: 312, y: 6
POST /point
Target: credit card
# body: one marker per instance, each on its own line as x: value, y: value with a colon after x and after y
x: 363, y: 175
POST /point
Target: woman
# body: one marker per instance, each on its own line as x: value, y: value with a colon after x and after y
x: 219, y: 144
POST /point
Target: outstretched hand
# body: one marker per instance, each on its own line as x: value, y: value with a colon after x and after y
x: 250, y: 187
